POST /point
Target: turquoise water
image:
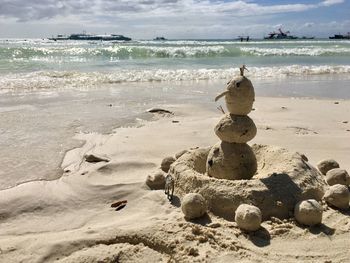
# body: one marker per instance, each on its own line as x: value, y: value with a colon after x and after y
x: 44, y: 64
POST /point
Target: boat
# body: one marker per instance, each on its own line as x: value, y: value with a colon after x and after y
x: 243, y: 38
x: 59, y: 37
x: 160, y: 38
x: 340, y: 36
x: 84, y: 36
x: 280, y: 35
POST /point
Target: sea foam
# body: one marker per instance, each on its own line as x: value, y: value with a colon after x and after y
x: 76, y: 79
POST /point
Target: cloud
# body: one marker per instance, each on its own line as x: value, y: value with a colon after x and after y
x: 146, y: 18
x: 31, y: 10
x: 331, y: 2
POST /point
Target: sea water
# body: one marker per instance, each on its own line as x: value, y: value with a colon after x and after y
x: 43, y: 64
x: 51, y: 90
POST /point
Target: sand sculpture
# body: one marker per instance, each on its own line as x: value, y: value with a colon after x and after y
x: 232, y: 158
x: 232, y: 173
x: 249, y: 184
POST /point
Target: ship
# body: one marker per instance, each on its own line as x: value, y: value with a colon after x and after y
x: 340, y: 36
x: 160, y: 39
x: 243, y: 38
x: 84, y: 36
x: 280, y: 35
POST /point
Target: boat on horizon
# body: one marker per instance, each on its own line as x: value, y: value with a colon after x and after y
x: 84, y: 36
x: 243, y: 38
x: 160, y: 39
x: 340, y: 36
x: 280, y: 35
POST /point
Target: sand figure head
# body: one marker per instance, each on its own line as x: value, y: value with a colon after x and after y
x: 239, y: 94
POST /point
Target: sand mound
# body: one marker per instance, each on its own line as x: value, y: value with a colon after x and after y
x: 283, y: 178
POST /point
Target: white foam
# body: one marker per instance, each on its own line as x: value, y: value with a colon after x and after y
x: 298, y: 51
x: 74, y: 79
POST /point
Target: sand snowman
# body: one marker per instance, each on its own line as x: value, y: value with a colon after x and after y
x: 232, y: 158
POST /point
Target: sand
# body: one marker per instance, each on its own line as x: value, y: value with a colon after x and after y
x: 70, y: 219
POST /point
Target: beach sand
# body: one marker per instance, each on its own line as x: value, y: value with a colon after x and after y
x: 70, y: 219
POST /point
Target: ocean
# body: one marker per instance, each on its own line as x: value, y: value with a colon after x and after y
x: 50, y: 91
x: 43, y: 64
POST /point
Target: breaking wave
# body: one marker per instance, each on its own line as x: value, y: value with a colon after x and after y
x: 298, y: 51
x: 74, y: 79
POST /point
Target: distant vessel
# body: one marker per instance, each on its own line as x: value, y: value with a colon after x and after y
x: 160, y: 38
x: 243, y: 38
x: 85, y: 36
x: 340, y: 36
x: 280, y: 35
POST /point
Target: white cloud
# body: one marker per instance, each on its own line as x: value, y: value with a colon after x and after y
x: 148, y: 17
x: 331, y: 2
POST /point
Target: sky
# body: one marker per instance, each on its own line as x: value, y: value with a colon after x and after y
x: 173, y: 19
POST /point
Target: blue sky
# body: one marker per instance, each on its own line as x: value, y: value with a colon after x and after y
x: 144, y: 19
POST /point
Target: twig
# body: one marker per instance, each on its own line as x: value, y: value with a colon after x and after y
x: 221, y: 109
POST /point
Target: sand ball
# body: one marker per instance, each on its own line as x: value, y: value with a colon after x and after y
x: 193, y: 205
x: 240, y: 96
x: 248, y: 217
x: 325, y: 165
x: 179, y: 154
x: 337, y: 176
x: 167, y: 161
x: 338, y: 195
x: 156, y: 180
x: 308, y: 212
x: 232, y: 161
x: 235, y: 128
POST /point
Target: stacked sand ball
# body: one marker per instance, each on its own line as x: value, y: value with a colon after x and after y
x: 232, y: 158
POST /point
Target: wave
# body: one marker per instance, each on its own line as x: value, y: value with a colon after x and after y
x: 298, y: 51
x: 121, y: 52
x: 72, y: 79
x: 117, y: 51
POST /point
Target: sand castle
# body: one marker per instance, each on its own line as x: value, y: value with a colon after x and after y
x: 263, y: 180
x: 232, y: 173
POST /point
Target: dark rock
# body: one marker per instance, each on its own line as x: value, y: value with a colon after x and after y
x: 92, y: 158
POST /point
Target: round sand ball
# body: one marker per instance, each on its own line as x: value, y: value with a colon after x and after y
x: 179, y: 154
x: 308, y: 212
x: 232, y: 161
x: 193, y: 205
x: 167, y: 161
x: 248, y: 217
x: 337, y: 176
x: 156, y: 180
x: 338, y: 195
x: 235, y: 128
x: 326, y: 165
x: 240, y: 96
